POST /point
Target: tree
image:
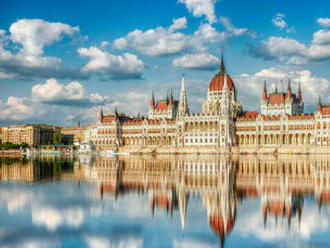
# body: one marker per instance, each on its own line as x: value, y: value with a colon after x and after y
x: 57, y: 139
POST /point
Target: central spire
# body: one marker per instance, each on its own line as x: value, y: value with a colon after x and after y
x: 222, y: 66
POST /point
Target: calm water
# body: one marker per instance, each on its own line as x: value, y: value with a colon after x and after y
x: 165, y: 201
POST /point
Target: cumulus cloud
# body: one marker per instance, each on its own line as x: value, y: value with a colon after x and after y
x: 290, y: 50
x: 179, y: 23
x: 121, y: 67
x: 325, y: 22
x: 201, y: 61
x: 29, y: 37
x: 278, y: 48
x: 279, y: 22
x: 16, y: 109
x: 201, y: 8
x: 34, y: 34
x: 168, y: 41
x: 73, y: 94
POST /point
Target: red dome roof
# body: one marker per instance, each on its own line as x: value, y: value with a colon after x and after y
x: 217, y: 82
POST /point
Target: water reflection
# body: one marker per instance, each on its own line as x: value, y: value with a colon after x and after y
x: 262, y: 200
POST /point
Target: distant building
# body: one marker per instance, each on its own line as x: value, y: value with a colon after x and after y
x: 32, y: 134
x: 73, y: 135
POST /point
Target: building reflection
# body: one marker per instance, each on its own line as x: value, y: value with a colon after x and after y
x: 222, y: 183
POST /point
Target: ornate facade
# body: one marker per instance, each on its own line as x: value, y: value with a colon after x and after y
x: 221, y: 127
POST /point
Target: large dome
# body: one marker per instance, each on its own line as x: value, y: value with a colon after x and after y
x: 217, y: 82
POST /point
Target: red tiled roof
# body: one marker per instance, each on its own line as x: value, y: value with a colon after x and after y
x: 161, y: 105
x: 326, y: 110
x: 251, y: 114
x: 302, y: 116
x: 278, y: 98
x: 217, y: 82
x: 132, y: 122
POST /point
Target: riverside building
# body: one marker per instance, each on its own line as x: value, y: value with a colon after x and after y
x: 222, y: 126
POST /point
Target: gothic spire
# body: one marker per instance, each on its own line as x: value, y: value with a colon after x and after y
x: 299, y: 96
x: 276, y: 91
x: 264, y: 97
x: 101, y: 115
x: 152, y: 101
x: 222, y: 66
x: 183, y: 105
x: 319, y: 105
x: 116, y: 110
x: 171, y: 97
x: 288, y: 93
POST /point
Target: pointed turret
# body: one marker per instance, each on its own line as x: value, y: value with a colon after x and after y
x: 288, y: 92
x: 116, y: 111
x: 101, y: 115
x: 276, y: 91
x: 152, y: 101
x: 319, y: 105
x: 222, y: 66
x: 183, y: 105
x: 264, y: 96
x: 171, y: 98
x: 299, y: 96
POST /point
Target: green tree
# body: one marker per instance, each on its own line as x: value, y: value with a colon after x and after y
x: 57, y: 139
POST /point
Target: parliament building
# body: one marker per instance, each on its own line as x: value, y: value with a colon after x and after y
x: 223, y: 126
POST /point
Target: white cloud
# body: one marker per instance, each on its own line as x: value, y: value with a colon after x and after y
x: 52, y: 218
x: 15, y: 109
x: 122, y: 66
x: 279, y: 22
x: 34, y: 34
x: 155, y: 42
x: 71, y: 94
x: 325, y: 22
x: 179, y: 23
x: 202, y: 61
x: 29, y: 37
x: 236, y: 31
x: 321, y: 37
x: 167, y: 41
x: 201, y: 8
x: 105, y: 43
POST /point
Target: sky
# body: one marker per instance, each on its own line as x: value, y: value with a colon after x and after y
x: 59, y: 63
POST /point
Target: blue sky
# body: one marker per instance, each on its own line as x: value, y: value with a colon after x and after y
x: 59, y: 63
